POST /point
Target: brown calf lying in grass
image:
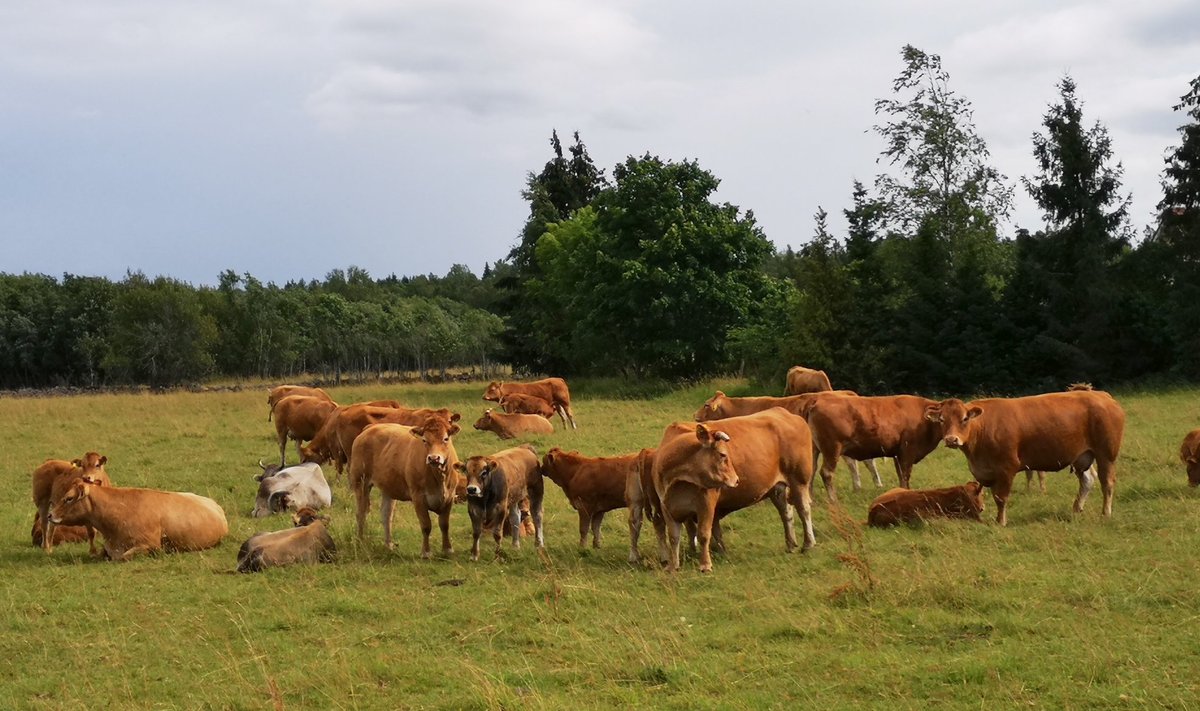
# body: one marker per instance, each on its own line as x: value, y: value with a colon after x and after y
x: 510, y: 426
x: 906, y: 505
x: 308, y: 542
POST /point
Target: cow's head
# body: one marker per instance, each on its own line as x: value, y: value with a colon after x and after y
x: 91, y: 468
x: 707, y: 463
x: 310, y: 453
x: 1191, y: 459
x: 480, y: 473
x: 975, y: 491
x: 714, y: 408
x: 435, y: 433
x: 954, y: 417
x: 72, y: 505
x: 493, y: 391
x: 485, y: 422
x: 306, y: 516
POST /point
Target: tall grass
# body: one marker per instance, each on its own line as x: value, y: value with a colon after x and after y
x: 1054, y: 611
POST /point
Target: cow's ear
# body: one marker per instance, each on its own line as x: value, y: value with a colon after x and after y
x: 703, y: 434
x: 78, y: 463
x: 418, y: 432
x: 455, y: 417
x: 103, y: 460
x: 460, y: 467
x: 933, y: 413
x: 720, y: 393
x: 974, y: 412
x: 454, y: 429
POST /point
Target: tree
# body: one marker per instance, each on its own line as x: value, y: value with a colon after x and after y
x: 161, y: 335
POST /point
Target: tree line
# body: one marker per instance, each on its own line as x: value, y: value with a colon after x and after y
x: 642, y: 273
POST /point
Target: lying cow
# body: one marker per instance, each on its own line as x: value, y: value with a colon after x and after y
x: 702, y: 472
x: 407, y: 464
x: 299, y: 417
x: 298, y: 487
x: 279, y: 392
x: 802, y: 380
x: 517, y: 404
x: 507, y: 426
x: 135, y: 521
x: 307, y: 542
x: 552, y: 390
x: 496, y: 486
x: 1002, y: 436
x: 593, y: 485
x: 50, y: 480
x: 908, y: 505
x: 1189, y: 454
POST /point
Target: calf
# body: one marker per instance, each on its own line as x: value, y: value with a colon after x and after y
x: 135, y: 521
x: 298, y: 487
x: 279, y: 392
x: 50, y: 480
x: 905, y: 505
x: 593, y: 485
x: 507, y: 426
x: 1189, y: 454
x: 552, y: 390
x: 517, y: 404
x: 307, y: 542
x: 299, y: 417
x: 496, y: 486
x: 1002, y: 436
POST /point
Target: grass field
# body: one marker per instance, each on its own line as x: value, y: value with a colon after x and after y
x: 1054, y: 611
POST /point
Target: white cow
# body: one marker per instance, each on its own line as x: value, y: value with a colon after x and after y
x: 292, y: 489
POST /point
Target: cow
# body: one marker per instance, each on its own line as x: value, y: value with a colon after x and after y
x: 336, y: 442
x: 703, y: 471
x: 864, y: 427
x: 552, y: 390
x: 496, y: 487
x: 507, y: 426
x: 279, y: 392
x: 135, y: 521
x: 1002, y: 436
x: 297, y: 487
x: 407, y: 464
x: 720, y: 406
x: 299, y: 417
x: 50, y: 480
x: 906, y: 505
x: 308, y: 541
x: 802, y: 380
x: 517, y: 404
x: 1041, y: 476
x: 593, y: 485
x: 1189, y: 454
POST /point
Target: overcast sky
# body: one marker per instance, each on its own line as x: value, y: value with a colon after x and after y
x: 289, y: 138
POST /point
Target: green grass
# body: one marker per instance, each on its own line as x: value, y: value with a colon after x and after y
x: 1055, y: 611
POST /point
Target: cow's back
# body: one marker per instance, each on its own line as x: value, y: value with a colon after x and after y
x: 191, y: 521
x: 873, y: 426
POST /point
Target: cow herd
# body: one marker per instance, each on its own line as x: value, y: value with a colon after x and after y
x: 734, y: 453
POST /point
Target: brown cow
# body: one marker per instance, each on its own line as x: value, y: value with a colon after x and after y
x: 135, y: 521
x: 279, y: 392
x: 802, y: 380
x: 1189, y: 454
x: 904, y: 505
x: 510, y: 426
x: 1002, y: 436
x: 593, y: 485
x: 1041, y: 476
x: 407, y: 464
x: 702, y: 472
x: 497, y: 486
x: 299, y: 417
x: 337, y: 443
x: 552, y: 390
x: 517, y: 404
x: 308, y: 541
x: 53, y: 478
x: 864, y: 427
x: 720, y: 406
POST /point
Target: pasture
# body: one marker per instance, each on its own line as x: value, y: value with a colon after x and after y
x: 1054, y: 611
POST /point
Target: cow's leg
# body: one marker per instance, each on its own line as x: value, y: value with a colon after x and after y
x: 635, y: 529
x: 387, y: 506
x: 585, y: 523
x: 1042, y: 482
x: 903, y: 472
x: 874, y: 473
x: 660, y: 532
x: 562, y: 414
x: 704, y: 527
x: 597, y: 519
x: 691, y: 532
x: 1106, y: 472
x: 444, y: 526
x: 1028, y: 480
x: 1001, y: 488
x: 426, y: 524
x: 828, y: 466
x: 299, y: 451
x: 718, y: 538
x: 476, y: 533
x: 514, y: 521
x: 536, y: 506
x: 779, y: 498
x: 43, y: 513
x: 566, y: 407
x: 91, y: 534
x: 1085, y: 485
x: 362, y: 496
x: 801, y: 497
x: 852, y: 465
x: 673, y: 531
x: 283, y: 438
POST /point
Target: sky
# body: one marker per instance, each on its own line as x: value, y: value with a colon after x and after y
x: 289, y: 138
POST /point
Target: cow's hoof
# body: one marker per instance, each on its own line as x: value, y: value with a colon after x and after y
x: 425, y: 555
x: 706, y: 569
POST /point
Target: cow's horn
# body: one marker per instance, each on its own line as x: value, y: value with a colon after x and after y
x: 721, y: 436
x: 261, y: 465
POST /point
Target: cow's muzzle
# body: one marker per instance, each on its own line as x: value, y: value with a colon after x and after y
x: 474, y: 491
x: 436, y: 460
x: 953, y: 442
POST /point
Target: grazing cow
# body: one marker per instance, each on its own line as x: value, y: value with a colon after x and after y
x: 905, y: 505
x: 279, y: 392
x: 802, y: 380
x: 407, y: 464
x: 702, y: 472
x: 496, y: 487
x: 720, y: 406
x: 593, y: 485
x: 337, y: 442
x: 299, y: 487
x: 552, y: 390
x: 135, y: 521
x: 1189, y: 454
x: 517, y: 404
x: 510, y: 426
x: 299, y: 417
x: 50, y: 480
x: 864, y: 427
x: 1002, y: 436
x: 307, y: 542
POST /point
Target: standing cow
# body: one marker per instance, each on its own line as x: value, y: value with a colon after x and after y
x: 299, y: 417
x: 802, y: 380
x: 1002, y: 436
x: 279, y: 392
x: 593, y: 486
x: 496, y: 487
x: 552, y: 390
